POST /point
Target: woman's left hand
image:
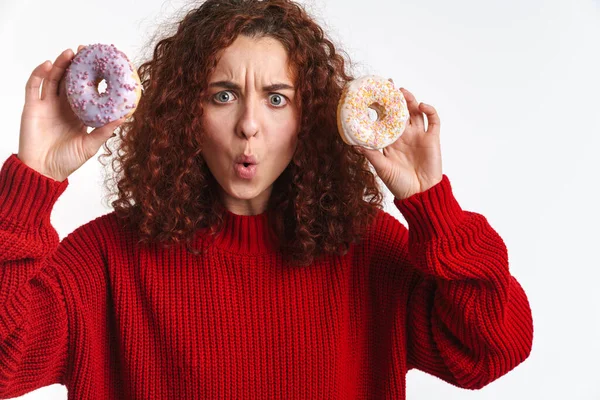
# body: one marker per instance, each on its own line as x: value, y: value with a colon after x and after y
x: 413, y: 163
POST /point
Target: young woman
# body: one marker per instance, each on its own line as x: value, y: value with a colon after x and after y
x: 248, y: 255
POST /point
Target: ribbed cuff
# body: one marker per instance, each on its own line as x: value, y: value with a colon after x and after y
x: 433, y: 213
x: 26, y: 196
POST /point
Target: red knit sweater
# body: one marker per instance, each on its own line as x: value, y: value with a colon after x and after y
x: 110, y: 320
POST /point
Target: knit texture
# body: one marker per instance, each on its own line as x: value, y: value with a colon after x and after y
x: 113, y: 320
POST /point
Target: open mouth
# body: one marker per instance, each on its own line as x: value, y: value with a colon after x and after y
x: 245, y: 170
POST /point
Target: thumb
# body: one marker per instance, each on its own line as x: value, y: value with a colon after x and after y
x: 100, y: 135
x: 375, y: 157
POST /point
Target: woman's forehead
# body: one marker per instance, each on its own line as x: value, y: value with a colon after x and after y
x: 256, y: 58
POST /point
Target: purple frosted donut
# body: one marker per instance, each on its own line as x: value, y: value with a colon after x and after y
x: 123, y: 88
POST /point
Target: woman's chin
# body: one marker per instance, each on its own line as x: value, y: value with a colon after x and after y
x: 244, y: 191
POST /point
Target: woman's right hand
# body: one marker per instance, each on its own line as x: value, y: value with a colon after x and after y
x: 53, y: 141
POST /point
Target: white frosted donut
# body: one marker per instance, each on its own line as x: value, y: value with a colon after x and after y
x: 354, y: 123
x: 123, y: 88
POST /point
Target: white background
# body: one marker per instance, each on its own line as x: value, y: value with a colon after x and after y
x: 516, y: 84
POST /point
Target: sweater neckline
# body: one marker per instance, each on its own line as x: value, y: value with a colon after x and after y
x: 246, y: 234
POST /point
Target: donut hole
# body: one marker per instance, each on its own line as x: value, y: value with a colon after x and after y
x: 376, y: 112
x: 373, y: 115
x: 101, y: 86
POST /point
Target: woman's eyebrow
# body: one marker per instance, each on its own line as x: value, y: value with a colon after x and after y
x: 234, y: 86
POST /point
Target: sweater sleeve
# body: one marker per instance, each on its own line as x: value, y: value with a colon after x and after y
x: 33, y: 314
x: 468, y: 320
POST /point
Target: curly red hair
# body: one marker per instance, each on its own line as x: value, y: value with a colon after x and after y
x: 325, y: 198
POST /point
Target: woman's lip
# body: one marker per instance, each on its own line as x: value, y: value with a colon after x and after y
x: 246, y: 159
x: 245, y: 172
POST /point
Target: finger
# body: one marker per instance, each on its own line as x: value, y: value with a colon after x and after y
x: 61, y: 84
x: 32, y: 88
x: 416, y: 115
x: 375, y: 157
x: 61, y: 90
x: 50, y: 86
x: 96, y: 138
x: 433, y: 119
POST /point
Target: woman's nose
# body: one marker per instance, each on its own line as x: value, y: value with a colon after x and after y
x: 248, y: 122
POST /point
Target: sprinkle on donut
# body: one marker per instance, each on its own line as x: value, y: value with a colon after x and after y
x: 90, y: 66
x: 354, y: 122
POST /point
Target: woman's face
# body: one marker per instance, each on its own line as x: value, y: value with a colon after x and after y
x: 251, y: 111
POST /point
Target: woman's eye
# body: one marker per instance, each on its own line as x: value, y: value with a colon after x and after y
x: 224, y: 96
x: 277, y: 100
